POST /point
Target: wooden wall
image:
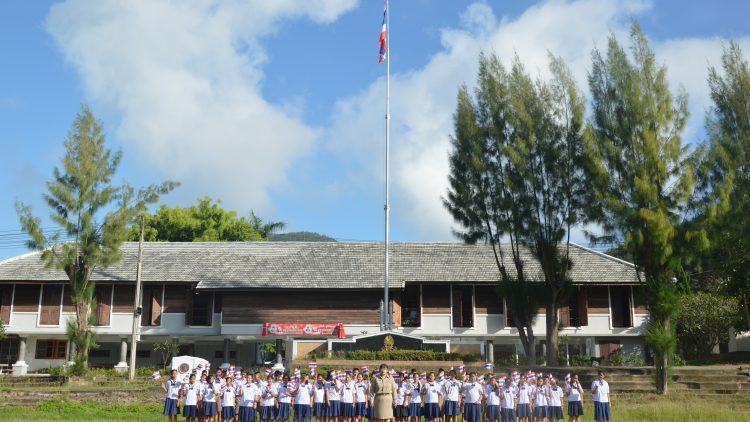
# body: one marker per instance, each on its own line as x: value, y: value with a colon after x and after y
x: 486, y: 300
x: 598, y: 298
x: 436, y: 298
x: 321, y: 307
x: 26, y: 298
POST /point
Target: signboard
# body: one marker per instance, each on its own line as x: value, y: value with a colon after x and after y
x: 186, y: 365
x: 274, y: 329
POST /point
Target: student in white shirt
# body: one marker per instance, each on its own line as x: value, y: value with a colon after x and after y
x: 347, y: 399
x: 249, y: 396
x: 523, y: 400
x: 540, y: 400
x: 602, y: 400
x: 452, y: 407
x: 508, y: 401
x: 574, y: 392
x: 333, y: 386
x: 228, y: 395
x: 190, y: 392
x: 284, y: 400
x: 414, y: 398
x: 361, y: 392
x: 268, y: 400
x: 201, y: 386
x: 401, y: 412
x: 171, y: 403
x: 320, y: 411
x: 208, y: 397
x: 492, y: 394
x: 302, y: 394
x: 473, y: 401
x: 432, y: 394
x: 554, y: 401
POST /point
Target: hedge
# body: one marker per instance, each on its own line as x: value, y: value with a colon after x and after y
x: 409, y: 355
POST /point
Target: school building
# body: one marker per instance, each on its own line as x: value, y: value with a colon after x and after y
x: 223, y: 300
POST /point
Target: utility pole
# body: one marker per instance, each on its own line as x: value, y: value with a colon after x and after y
x: 138, y: 307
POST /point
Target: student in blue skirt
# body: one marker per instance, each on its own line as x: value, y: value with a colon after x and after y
x: 523, y: 400
x: 228, y: 396
x: 190, y: 392
x: 302, y: 399
x: 474, y: 392
x: 333, y: 399
x: 492, y: 394
x: 452, y: 404
x: 284, y: 399
x: 401, y: 412
x: 347, y: 399
x: 554, y: 401
x: 432, y: 393
x: 540, y: 400
x: 320, y: 411
x: 508, y: 401
x: 361, y: 394
x: 602, y: 400
x: 268, y: 400
x: 249, y: 397
x: 171, y: 403
x: 574, y: 392
x: 208, y: 397
x: 414, y: 398
x: 201, y: 385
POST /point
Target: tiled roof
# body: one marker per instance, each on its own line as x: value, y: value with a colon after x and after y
x: 316, y: 265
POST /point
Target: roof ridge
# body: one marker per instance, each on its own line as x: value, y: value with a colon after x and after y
x: 17, y: 257
x: 604, y: 255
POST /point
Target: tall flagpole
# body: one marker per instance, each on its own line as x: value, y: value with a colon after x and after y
x: 386, y: 303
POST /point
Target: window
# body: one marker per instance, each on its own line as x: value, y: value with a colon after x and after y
x: 152, y: 297
x: 51, y: 349
x: 621, y: 308
x: 202, y: 309
x: 463, y: 306
x: 219, y: 354
x: 99, y: 353
x: 143, y: 354
x: 411, y: 312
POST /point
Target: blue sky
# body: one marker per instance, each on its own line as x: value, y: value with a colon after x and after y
x: 278, y: 106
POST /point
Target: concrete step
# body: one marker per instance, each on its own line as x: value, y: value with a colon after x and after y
x: 710, y: 378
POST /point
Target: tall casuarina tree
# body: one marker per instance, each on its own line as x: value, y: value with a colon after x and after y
x: 94, y: 212
x: 517, y: 174
x: 643, y: 175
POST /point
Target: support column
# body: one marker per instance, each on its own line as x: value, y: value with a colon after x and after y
x: 122, y: 365
x: 490, y: 351
x: 20, y: 367
x: 71, y: 353
x: 279, y: 366
x: 226, y: 352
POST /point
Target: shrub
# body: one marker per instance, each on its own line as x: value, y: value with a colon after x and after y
x: 413, y: 355
x: 580, y: 360
x: 617, y: 359
x: 704, y: 321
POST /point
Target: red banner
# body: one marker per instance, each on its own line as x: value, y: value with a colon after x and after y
x: 273, y: 329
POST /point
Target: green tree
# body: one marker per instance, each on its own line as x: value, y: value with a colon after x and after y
x: 726, y: 178
x: 643, y: 176
x: 300, y: 237
x: 704, y: 321
x: 167, y: 349
x: 516, y: 172
x: 88, y: 207
x: 205, y: 222
x: 2, y: 330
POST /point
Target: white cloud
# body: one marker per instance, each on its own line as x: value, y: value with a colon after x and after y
x: 423, y: 100
x: 185, y: 78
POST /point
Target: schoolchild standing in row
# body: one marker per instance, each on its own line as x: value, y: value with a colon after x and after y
x: 319, y: 400
x: 508, y: 401
x: 284, y: 399
x: 268, y: 400
x: 523, y: 400
x: 414, y: 398
x: 171, y: 403
x: 302, y: 399
x: 574, y: 392
x: 401, y: 412
x: 492, y: 394
x: 361, y: 394
x: 432, y: 394
x: 452, y: 406
x: 473, y: 399
x: 334, y: 397
x: 602, y: 400
x: 190, y: 391
x: 208, y: 394
x: 228, y: 395
x: 249, y: 396
x: 555, y: 402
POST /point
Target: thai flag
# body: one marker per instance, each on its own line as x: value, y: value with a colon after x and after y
x: 501, y: 381
x: 348, y: 371
x: 461, y: 368
x: 567, y: 377
x: 342, y: 376
x: 297, y: 373
x: 488, y: 365
x: 156, y: 375
x: 516, y: 376
x: 531, y: 377
x: 423, y: 376
x: 365, y: 371
x: 312, y: 364
x: 312, y: 371
x: 376, y: 372
x: 238, y: 376
x: 384, y: 35
x: 268, y: 371
x: 481, y: 379
x: 199, y: 367
x: 441, y: 376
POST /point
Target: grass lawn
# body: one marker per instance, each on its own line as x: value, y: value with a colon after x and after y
x: 630, y: 408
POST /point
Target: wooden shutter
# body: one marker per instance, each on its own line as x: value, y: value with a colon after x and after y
x: 396, y: 306
x: 564, y: 316
x: 6, y: 299
x: 51, y: 301
x: 583, y: 308
x: 156, y: 299
x: 174, y: 298
x: 123, y: 298
x: 26, y: 298
x: 189, y: 293
x: 103, y: 295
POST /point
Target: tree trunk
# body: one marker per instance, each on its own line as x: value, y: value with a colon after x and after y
x: 83, y: 310
x: 661, y: 362
x: 526, y: 334
x: 553, y: 335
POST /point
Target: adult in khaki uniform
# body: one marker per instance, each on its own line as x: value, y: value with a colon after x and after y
x: 383, y: 391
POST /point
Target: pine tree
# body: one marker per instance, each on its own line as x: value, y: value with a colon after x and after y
x: 89, y: 208
x: 643, y: 175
